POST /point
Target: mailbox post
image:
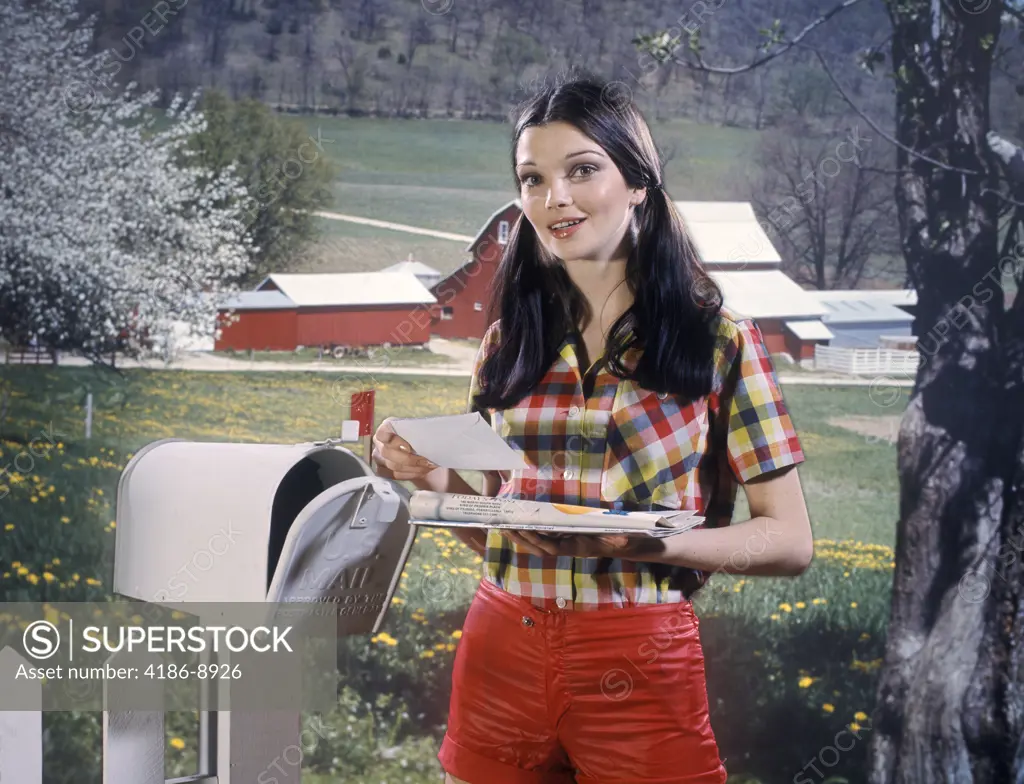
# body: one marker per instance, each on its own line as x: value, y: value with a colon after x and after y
x: 202, y: 522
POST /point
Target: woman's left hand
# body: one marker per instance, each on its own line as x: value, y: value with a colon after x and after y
x: 578, y: 545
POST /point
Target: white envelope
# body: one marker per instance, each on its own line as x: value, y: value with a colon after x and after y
x: 461, y: 441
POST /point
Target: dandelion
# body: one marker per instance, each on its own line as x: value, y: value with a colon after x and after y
x: 427, y: 655
x: 34, y: 499
x: 9, y: 527
x: 860, y: 716
x: 828, y: 707
x: 65, y: 520
x: 457, y: 634
x: 800, y: 605
x: 775, y: 616
x: 15, y: 564
x: 93, y: 582
x: 177, y: 743
x: 49, y: 577
x: 785, y: 607
x: 56, y: 561
x: 804, y: 682
x: 62, y: 499
x: 854, y: 726
x: 853, y: 605
x: 819, y: 601
x: 32, y: 578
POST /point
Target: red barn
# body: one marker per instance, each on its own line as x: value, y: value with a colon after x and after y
x: 464, y: 295
x: 342, y: 309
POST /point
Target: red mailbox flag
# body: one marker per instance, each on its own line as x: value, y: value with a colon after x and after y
x: 362, y: 410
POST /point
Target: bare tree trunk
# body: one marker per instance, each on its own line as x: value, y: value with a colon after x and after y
x: 950, y: 707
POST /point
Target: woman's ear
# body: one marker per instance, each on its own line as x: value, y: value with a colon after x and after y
x: 639, y: 194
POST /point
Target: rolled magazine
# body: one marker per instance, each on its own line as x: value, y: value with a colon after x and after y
x: 429, y: 508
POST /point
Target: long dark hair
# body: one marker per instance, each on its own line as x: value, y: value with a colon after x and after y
x: 675, y: 301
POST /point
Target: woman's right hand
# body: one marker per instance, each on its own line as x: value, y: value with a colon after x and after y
x: 394, y: 454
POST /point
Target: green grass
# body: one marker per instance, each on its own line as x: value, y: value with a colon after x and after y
x: 353, y: 247
x: 775, y: 668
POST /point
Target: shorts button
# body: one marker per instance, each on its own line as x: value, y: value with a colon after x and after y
x: 662, y: 395
x: 560, y: 602
x: 574, y: 411
x: 527, y: 621
x: 567, y: 473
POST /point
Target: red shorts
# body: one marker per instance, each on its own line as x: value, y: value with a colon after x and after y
x: 556, y: 696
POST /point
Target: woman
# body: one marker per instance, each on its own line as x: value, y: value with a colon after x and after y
x: 614, y: 367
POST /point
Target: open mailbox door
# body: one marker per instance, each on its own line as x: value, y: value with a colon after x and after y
x: 348, y: 546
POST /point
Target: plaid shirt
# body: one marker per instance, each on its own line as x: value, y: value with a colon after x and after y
x: 624, y: 447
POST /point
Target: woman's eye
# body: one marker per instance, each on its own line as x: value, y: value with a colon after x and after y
x: 526, y: 180
x: 591, y: 169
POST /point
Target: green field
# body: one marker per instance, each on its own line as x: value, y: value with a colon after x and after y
x: 790, y: 662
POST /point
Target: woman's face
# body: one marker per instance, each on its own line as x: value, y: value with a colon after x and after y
x: 566, y: 176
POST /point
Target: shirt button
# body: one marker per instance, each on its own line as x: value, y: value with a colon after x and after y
x: 662, y: 395
x: 567, y: 474
x: 574, y: 411
x: 560, y: 602
x: 527, y: 621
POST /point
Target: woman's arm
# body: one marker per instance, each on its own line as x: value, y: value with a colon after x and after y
x: 775, y: 541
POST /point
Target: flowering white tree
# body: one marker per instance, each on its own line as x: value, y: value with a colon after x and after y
x: 108, y: 233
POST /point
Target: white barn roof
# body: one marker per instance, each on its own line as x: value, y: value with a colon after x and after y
x: 257, y: 300
x: 896, y: 297
x: 859, y: 311
x: 728, y: 232
x: 766, y: 294
x: 413, y: 267
x: 351, y: 288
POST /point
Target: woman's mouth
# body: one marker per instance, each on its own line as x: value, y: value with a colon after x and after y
x: 566, y: 228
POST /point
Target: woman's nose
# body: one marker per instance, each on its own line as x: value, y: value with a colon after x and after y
x: 558, y: 195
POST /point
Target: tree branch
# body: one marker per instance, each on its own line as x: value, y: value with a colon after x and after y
x: 700, y: 65
x: 879, y: 131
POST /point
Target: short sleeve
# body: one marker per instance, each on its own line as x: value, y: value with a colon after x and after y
x: 761, y: 436
x: 488, y: 344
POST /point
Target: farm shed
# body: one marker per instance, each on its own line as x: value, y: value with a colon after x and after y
x: 861, y: 318
x: 342, y: 309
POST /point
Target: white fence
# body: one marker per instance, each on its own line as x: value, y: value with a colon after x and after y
x: 866, y: 360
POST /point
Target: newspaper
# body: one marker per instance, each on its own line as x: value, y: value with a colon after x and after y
x: 429, y: 508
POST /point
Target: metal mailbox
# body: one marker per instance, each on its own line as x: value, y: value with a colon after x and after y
x: 226, y: 522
